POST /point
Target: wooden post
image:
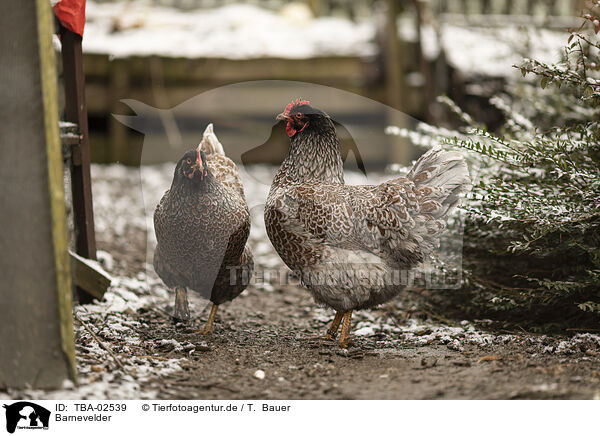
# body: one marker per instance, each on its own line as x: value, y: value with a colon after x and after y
x: 400, y: 150
x: 393, y: 60
x: 428, y: 96
x: 81, y: 184
x: 37, y: 346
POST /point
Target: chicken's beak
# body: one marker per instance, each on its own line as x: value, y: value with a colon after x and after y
x: 283, y: 116
x: 198, y: 166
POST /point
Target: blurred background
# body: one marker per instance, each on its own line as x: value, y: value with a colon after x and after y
x: 401, y: 53
x: 525, y: 262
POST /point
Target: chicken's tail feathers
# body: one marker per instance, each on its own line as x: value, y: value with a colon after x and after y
x: 441, y: 177
x: 210, y: 144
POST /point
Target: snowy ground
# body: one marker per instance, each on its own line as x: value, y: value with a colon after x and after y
x: 237, y: 31
x: 399, y: 351
x: 489, y: 51
x: 242, y: 31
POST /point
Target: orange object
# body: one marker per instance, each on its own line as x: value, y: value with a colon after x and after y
x: 71, y: 14
x: 489, y: 358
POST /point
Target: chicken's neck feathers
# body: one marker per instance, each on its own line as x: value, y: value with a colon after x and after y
x: 314, y: 156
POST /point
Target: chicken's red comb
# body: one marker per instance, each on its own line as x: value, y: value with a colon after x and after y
x: 294, y: 103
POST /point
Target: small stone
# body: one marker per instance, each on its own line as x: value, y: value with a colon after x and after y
x: 343, y: 352
x: 202, y: 347
x: 454, y: 346
x: 259, y: 374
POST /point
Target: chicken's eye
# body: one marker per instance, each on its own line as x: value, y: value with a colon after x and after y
x: 299, y: 117
x: 189, y: 161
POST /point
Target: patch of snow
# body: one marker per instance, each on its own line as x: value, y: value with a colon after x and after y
x: 489, y: 51
x: 235, y: 31
x: 581, y: 342
x: 244, y: 31
x: 111, y: 320
x: 105, y: 259
x: 364, y: 331
x: 176, y: 345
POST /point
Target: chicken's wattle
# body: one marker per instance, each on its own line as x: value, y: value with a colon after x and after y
x: 291, y: 131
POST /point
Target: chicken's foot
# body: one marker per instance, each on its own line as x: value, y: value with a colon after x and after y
x: 345, y: 336
x: 332, y: 332
x: 181, y: 312
x: 208, y: 328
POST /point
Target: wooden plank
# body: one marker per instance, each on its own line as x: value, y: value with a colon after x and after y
x: 89, y: 276
x: 37, y: 347
x: 237, y: 100
x: 81, y: 183
x: 45, y: 20
x: 343, y: 69
x: 554, y: 22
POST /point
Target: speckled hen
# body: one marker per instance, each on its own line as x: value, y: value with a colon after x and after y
x: 346, y: 242
x: 202, y: 224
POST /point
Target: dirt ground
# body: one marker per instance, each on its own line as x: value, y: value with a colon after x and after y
x: 274, y: 332
x: 398, y: 353
x: 266, y: 343
x: 278, y: 333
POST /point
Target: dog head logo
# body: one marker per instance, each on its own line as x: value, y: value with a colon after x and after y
x: 26, y: 415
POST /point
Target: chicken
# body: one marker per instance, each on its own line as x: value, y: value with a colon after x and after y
x: 346, y: 242
x: 202, y: 224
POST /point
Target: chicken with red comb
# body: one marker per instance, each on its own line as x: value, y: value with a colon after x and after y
x: 346, y: 242
x: 202, y: 224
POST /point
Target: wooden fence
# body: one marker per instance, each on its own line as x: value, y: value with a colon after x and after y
x: 357, y: 8
x: 166, y: 82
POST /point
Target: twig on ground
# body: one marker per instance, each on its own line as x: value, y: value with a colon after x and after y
x: 438, y: 317
x: 582, y: 330
x: 151, y: 357
x: 113, y: 355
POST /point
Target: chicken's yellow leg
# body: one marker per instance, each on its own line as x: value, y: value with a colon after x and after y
x: 332, y: 332
x: 208, y: 328
x: 345, y: 336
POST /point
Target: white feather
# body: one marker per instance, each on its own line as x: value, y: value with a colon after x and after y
x: 210, y: 143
